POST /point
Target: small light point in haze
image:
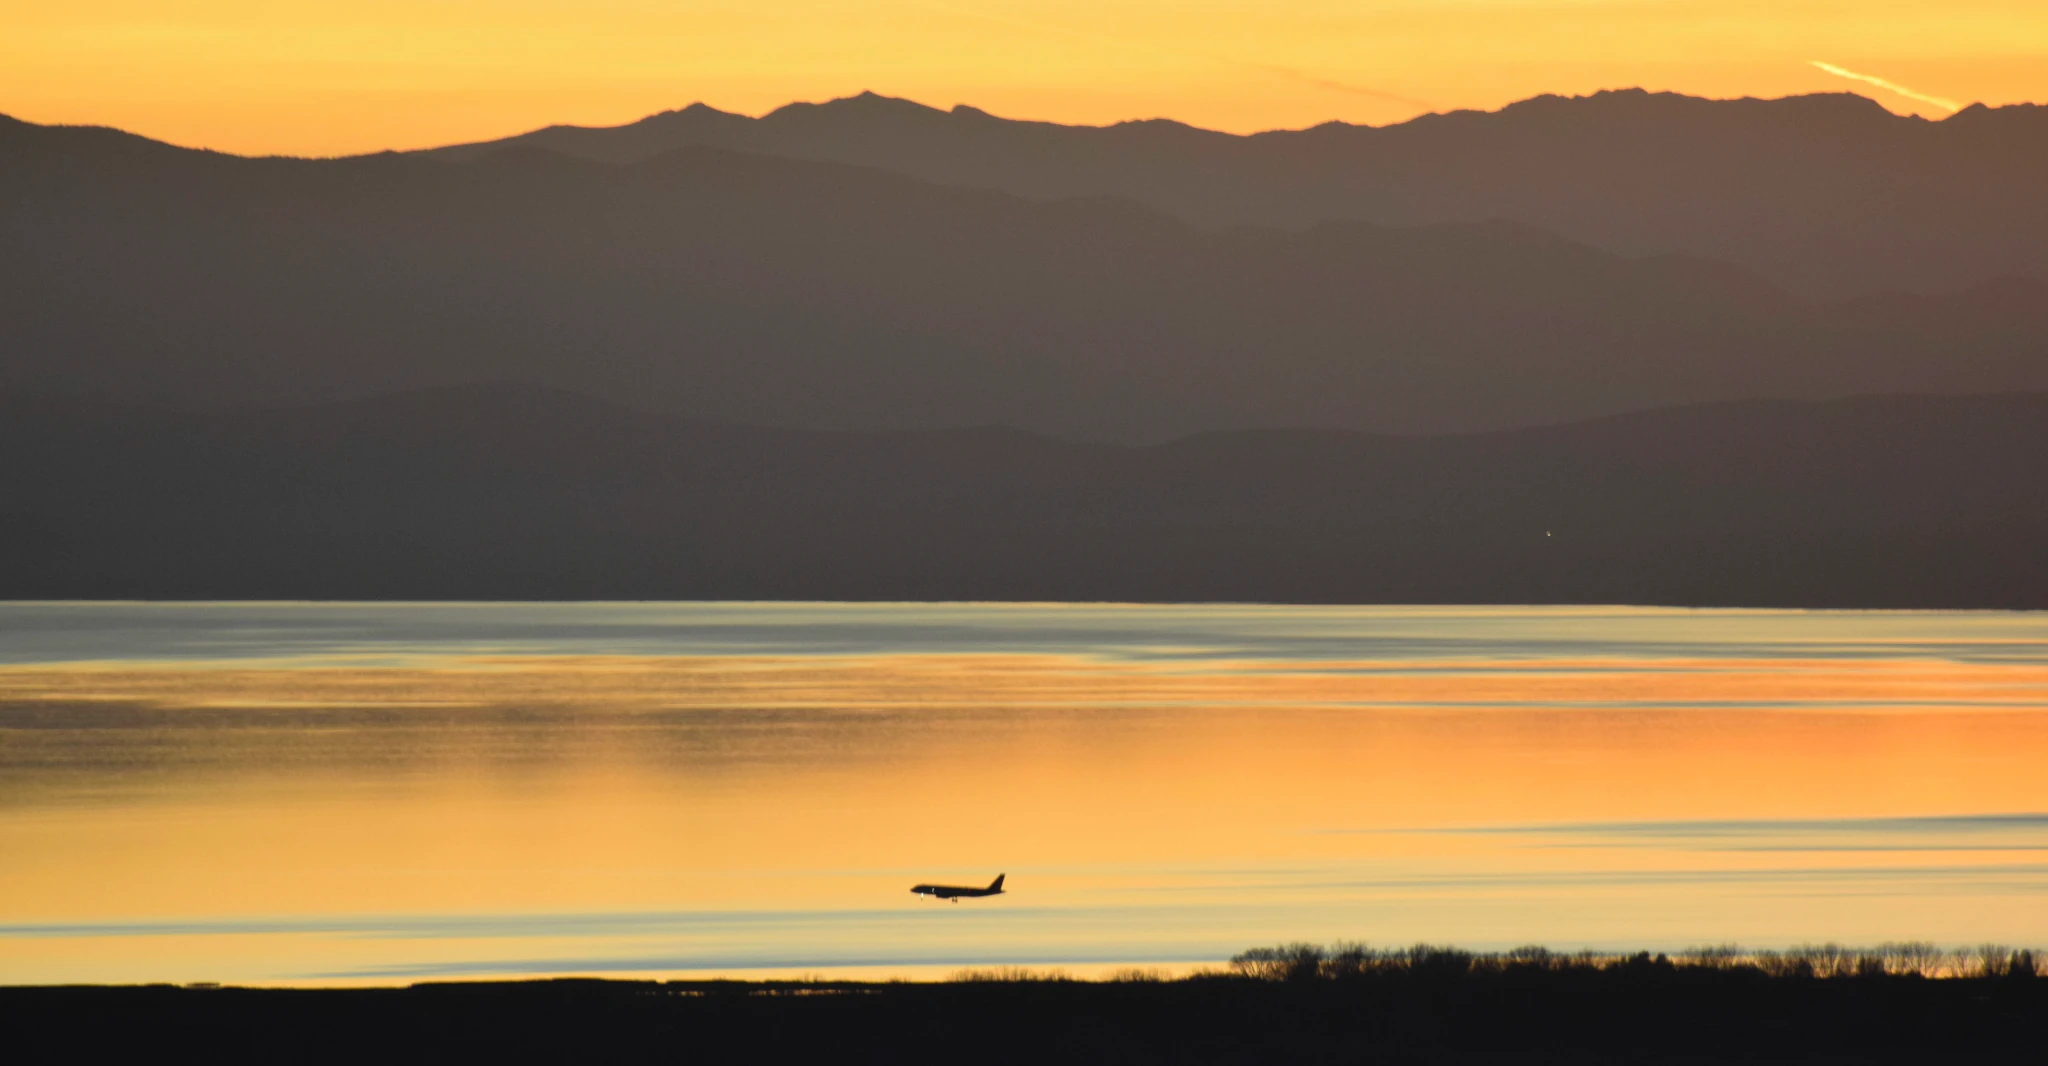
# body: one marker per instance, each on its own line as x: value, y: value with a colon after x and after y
x: 1888, y: 86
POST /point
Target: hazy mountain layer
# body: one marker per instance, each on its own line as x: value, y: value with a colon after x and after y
x: 1828, y: 194
x: 515, y: 492
x: 750, y: 289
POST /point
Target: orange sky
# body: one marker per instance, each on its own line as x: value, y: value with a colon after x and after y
x: 338, y: 76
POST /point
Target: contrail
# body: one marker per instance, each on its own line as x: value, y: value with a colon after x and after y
x: 1268, y: 68
x: 1888, y: 86
x: 1326, y: 83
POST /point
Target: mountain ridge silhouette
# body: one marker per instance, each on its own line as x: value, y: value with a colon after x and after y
x: 1828, y: 194
x: 741, y: 287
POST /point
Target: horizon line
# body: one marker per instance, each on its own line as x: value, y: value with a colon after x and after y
x: 958, y: 107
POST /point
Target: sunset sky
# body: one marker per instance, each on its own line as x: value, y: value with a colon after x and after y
x: 332, y: 77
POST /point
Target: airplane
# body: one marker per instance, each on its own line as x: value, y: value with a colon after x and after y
x: 954, y: 892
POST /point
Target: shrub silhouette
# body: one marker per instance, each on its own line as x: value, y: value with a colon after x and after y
x: 1288, y: 962
x: 1008, y: 975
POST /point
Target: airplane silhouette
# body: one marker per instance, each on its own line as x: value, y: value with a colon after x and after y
x: 954, y: 892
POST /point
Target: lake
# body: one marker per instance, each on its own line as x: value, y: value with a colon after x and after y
x: 385, y: 793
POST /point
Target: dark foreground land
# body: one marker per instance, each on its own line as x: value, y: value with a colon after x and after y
x: 1643, y: 1013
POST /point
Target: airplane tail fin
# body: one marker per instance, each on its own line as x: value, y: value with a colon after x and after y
x: 997, y: 884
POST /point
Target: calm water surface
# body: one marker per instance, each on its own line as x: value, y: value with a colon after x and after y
x: 386, y: 793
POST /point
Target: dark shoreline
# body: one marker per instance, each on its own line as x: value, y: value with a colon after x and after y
x: 1640, y: 1011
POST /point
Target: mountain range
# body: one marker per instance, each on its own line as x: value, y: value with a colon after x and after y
x: 1827, y: 194
x: 741, y: 287
x: 512, y: 491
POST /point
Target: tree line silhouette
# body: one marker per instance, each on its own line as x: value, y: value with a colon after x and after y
x: 1294, y: 1003
x: 1302, y: 961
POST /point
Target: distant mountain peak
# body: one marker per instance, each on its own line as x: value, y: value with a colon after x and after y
x: 1635, y: 98
x: 697, y: 112
x: 866, y: 102
x: 1981, y: 113
x: 1845, y: 103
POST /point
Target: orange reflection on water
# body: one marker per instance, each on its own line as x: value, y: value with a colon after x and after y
x: 1288, y: 799
x: 1014, y: 680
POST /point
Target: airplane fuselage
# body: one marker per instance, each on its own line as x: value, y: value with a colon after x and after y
x: 957, y: 892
